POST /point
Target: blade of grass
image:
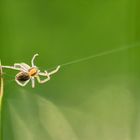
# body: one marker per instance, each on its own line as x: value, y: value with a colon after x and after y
x: 1, y: 97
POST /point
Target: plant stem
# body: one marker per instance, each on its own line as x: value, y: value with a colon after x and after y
x: 1, y: 97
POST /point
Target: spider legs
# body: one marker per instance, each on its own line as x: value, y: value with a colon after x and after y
x: 32, y: 61
x: 45, y: 80
x: 49, y: 73
x: 54, y: 71
x: 33, y: 82
x: 22, y: 84
x: 21, y: 67
x: 46, y: 74
x: 11, y: 67
x: 16, y: 67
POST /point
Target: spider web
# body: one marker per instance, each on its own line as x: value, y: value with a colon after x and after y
x: 119, y: 49
x: 108, y: 52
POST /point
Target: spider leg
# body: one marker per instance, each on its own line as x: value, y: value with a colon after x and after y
x: 54, y: 71
x: 49, y: 73
x: 32, y: 61
x: 10, y: 67
x: 33, y: 82
x: 26, y: 66
x: 43, y: 81
x: 21, y: 66
x: 22, y: 84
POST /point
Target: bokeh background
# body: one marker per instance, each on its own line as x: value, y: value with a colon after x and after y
x: 98, y: 99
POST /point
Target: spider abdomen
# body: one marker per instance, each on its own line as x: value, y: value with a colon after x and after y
x: 22, y: 76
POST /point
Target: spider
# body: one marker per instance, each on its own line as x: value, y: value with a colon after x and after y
x: 28, y: 73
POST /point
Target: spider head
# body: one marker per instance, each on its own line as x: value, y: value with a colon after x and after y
x: 33, y: 71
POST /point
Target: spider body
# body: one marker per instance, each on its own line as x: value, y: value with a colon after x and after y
x: 25, y: 76
x: 28, y: 73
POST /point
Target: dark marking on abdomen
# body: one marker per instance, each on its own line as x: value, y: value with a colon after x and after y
x: 22, y: 76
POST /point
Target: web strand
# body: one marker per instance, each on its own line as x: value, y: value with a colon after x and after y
x: 123, y: 48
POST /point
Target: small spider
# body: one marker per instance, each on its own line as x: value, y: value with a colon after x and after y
x: 28, y: 73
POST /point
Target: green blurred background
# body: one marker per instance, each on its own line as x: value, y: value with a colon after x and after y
x: 97, y: 99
